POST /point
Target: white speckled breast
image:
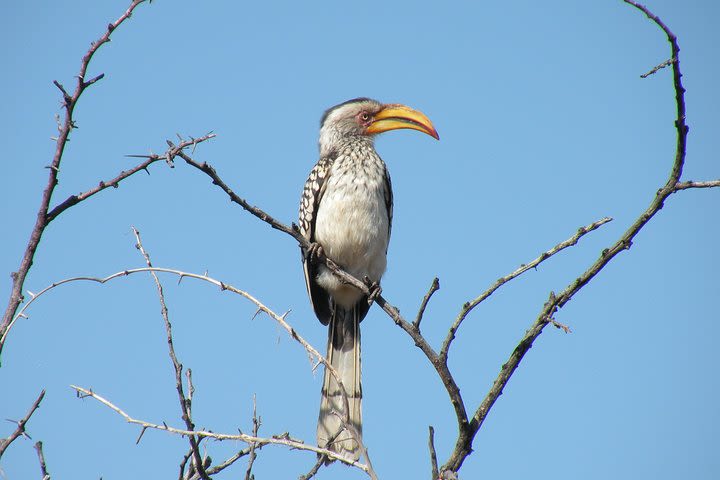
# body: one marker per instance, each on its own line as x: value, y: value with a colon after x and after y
x: 352, y: 223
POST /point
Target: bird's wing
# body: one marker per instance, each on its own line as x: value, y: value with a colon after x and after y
x: 309, y: 203
x: 388, y: 203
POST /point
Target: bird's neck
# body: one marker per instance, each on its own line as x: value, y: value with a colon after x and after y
x: 332, y: 140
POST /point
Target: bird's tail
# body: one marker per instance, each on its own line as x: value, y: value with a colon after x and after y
x: 344, y: 355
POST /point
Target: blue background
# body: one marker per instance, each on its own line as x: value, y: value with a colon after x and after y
x: 545, y: 126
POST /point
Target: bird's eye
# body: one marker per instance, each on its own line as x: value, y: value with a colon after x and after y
x: 364, y: 116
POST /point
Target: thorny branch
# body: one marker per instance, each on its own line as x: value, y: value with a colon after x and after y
x: 469, y: 306
x: 283, y: 439
x: 463, y: 446
x: 65, y: 126
x: 280, y: 319
x: 185, y: 401
x: 20, y: 429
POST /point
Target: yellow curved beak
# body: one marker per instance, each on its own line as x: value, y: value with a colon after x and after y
x: 396, y: 116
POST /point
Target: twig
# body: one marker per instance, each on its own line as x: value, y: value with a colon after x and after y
x: 237, y: 456
x: 434, y: 287
x: 433, y: 455
x: 20, y: 429
x: 690, y: 184
x: 185, y: 402
x: 41, y: 459
x: 183, y: 464
x: 65, y: 127
x: 469, y: 306
x: 664, y: 64
x: 253, y: 455
x: 313, y: 471
x: 115, y: 182
x: 249, y: 439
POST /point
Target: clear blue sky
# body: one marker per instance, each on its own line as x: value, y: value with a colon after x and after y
x: 545, y: 126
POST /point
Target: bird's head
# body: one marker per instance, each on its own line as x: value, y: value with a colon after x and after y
x: 364, y: 117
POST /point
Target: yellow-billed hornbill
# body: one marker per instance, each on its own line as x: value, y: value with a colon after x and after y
x: 346, y: 210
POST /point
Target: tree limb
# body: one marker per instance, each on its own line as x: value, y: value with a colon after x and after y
x: 67, y: 125
x: 20, y: 430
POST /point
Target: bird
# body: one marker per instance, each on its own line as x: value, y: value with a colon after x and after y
x: 346, y: 212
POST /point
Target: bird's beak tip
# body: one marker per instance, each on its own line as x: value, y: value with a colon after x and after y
x: 397, y: 116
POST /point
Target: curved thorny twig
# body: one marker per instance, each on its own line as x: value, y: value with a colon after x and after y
x: 190, y: 432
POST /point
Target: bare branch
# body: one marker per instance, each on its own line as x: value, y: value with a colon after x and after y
x: 463, y: 447
x: 664, y: 64
x: 222, y: 466
x: 433, y: 455
x: 434, y: 287
x: 253, y: 446
x: 65, y: 127
x: 115, y: 182
x: 185, y: 402
x: 320, y: 462
x: 224, y: 287
x: 690, y: 184
x: 41, y: 459
x: 469, y: 306
x: 284, y: 439
x: 20, y: 430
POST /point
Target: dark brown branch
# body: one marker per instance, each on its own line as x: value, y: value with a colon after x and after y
x: 20, y: 429
x: 469, y: 306
x: 115, y: 182
x: 185, y: 401
x: 434, y: 287
x: 313, y: 471
x: 65, y: 127
x: 41, y: 459
x: 555, y: 302
x: 433, y: 455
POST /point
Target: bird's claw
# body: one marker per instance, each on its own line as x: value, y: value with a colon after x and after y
x: 314, y: 252
x: 374, y: 288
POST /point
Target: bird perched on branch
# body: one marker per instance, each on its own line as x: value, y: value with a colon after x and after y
x: 346, y: 212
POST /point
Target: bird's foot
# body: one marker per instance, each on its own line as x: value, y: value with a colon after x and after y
x: 314, y: 252
x: 374, y: 288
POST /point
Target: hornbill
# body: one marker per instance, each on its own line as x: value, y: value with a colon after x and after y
x: 346, y: 212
